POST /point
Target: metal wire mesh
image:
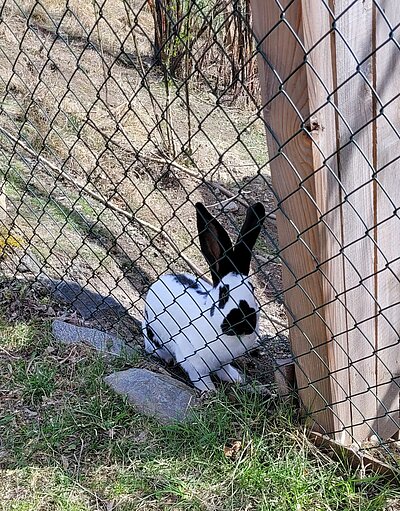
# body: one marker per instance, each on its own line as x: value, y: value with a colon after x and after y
x: 117, y: 118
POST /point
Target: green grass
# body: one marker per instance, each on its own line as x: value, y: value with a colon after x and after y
x: 68, y: 443
x: 34, y: 379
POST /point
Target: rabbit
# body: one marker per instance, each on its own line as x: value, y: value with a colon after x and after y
x: 204, y: 327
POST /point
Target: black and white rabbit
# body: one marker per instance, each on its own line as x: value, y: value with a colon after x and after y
x: 202, y: 327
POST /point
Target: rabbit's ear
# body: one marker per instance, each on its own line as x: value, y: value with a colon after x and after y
x: 215, y: 244
x: 248, y: 236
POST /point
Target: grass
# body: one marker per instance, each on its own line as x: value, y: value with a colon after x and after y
x: 68, y: 443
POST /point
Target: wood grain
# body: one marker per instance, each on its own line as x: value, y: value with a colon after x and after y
x: 318, y: 39
x: 339, y: 228
x: 353, y: 44
x: 357, y: 459
x: 387, y: 60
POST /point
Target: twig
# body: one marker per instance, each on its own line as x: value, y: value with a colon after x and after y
x: 196, y: 175
x: 106, y: 202
x: 275, y: 321
x: 178, y: 166
x: 165, y: 160
x: 223, y: 202
x: 228, y: 193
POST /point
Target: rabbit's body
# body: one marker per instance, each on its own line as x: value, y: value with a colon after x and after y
x: 205, y: 327
x: 198, y: 344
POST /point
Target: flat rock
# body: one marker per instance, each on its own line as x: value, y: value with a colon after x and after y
x: 28, y: 263
x: 67, y: 333
x: 231, y: 206
x: 156, y: 395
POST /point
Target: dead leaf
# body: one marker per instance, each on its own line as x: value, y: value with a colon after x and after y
x: 231, y: 451
x: 51, y: 311
x: 141, y: 437
x: 30, y: 413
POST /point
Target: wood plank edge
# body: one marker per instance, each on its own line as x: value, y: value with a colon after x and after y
x: 356, y: 459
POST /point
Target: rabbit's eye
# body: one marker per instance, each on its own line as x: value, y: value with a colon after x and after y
x: 223, y: 296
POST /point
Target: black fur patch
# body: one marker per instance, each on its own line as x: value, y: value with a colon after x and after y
x: 240, y: 321
x: 152, y: 337
x: 212, y: 310
x: 223, y: 296
x: 187, y: 282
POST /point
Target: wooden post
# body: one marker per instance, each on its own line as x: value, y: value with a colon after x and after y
x: 354, y: 126
x: 320, y: 80
x: 387, y: 59
x: 292, y: 169
x: 324, y: 144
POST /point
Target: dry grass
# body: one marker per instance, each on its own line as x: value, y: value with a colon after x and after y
x: 87, y: 111
x: 59, y: 89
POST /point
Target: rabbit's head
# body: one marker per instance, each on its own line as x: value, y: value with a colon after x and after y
x: 234, y: 310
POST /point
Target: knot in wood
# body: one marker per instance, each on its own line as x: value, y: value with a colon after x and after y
x: 313, y: 125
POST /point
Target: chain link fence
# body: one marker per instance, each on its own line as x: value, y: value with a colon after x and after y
x: 119, y: 120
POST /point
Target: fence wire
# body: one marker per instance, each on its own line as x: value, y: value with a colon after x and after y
x: 132, y: 146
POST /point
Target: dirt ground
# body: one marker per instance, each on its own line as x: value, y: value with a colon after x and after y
x: 77, y: 119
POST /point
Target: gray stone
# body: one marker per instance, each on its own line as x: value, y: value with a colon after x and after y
x: 29, y: 263
x: 67, y: 333
x: 231, y: 206
x: 156, y: 395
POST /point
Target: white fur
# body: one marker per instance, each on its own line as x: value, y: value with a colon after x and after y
x: 181, y: 320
